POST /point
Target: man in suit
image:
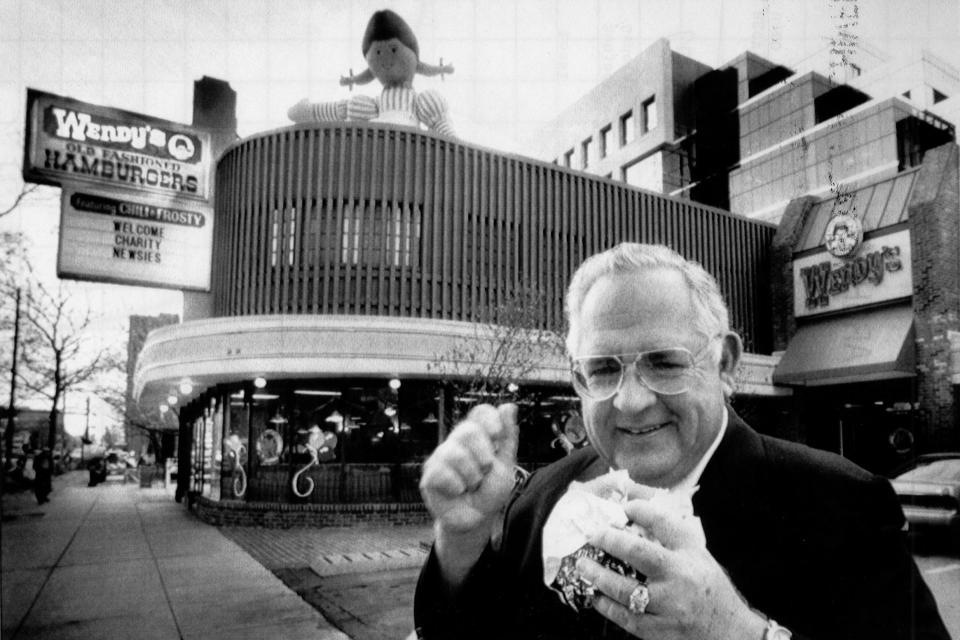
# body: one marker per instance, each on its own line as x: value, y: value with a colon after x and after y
x: 799, y: 543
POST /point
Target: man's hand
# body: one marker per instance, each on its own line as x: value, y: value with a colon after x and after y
x: 691, y: 595
x: 466, y: 483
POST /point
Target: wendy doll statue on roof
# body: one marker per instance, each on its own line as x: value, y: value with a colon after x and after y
x: 393, y: 57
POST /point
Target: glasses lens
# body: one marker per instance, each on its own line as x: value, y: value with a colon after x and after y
x: 667, y: 370
x: 597, y: 376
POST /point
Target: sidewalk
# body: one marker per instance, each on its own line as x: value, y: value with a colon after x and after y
x: 118, y: 561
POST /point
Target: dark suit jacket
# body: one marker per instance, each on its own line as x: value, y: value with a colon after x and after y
x: 808, y: 538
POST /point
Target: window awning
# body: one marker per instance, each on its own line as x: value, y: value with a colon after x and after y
x: 872, y: 345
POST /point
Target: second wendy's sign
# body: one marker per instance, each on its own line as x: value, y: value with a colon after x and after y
x: 131, y: 240
x: 77, y: 142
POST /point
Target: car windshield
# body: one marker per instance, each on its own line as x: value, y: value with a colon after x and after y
x: 936, y: 471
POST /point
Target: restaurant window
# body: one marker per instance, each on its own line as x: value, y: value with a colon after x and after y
x: 585, y: 152
x: 649, y: 108
x: 377, y: 234
x: 283, y: 233
x: 627, y: 132
x: 604, y: 141
x: 568, y: 158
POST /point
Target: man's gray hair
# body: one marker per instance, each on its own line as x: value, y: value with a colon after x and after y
x: 712, y: 317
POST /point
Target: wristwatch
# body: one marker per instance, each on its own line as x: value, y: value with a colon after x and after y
x: 776, y: 632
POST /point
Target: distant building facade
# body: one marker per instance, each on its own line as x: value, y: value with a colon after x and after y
x: 855, y: 161
x: 136, y: 418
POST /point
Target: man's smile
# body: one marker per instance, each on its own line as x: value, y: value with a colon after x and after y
x: 642, y: 430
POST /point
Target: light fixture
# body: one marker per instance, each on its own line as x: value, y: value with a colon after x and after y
x: 394, y: 383
x: 164, y: 407
x: 335, y: 417
x: 264, y: 396
x: 278, y: 419
x: 390, y: 411
x: 186, y: 388
x: 430, y: 419
x: 316, y: 392
x: 259, y: 382
x: 512, y: 387
x: 172, y: 399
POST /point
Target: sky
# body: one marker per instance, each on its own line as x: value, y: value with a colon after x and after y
x: 517, y: 64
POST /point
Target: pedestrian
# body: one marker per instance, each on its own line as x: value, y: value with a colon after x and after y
x: 43, y: 480
x: 781, y: 539
x: 97, y: 470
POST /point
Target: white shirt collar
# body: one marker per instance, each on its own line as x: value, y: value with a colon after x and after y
x: 694, y: 476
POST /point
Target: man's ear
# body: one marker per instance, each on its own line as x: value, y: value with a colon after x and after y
x: 732, y: 349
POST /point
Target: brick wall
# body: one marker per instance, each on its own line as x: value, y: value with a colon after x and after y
x: 935, y: 243
x: 284, y: 516
x: 781, y: 268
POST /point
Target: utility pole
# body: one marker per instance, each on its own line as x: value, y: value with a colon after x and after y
x: 11, y: 410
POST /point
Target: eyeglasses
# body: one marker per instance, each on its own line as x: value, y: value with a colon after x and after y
x: 664, y: 371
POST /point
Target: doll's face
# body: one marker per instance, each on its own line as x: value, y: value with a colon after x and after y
x: 392, y: 62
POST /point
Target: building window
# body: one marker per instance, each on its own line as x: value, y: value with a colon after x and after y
x: 650, y: 114
x: 283, y: 236
x: 568, y: 158
x: 938, y: 97
x: 604, y: 140
x: 377, y: 234
x: 626, y: 128
x: 585, y: 152
x: 646, y: 173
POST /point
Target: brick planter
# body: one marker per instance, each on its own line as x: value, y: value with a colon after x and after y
x: 285, y: 516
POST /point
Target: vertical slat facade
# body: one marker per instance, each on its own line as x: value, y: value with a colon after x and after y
x: 375, y: 220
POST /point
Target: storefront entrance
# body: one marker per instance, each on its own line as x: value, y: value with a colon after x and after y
x: 870, y: 423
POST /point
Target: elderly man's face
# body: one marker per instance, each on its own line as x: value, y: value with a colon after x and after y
x: 657, y: 438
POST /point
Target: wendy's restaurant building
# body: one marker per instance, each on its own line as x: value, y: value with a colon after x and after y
x: 866, y: 306
x: 363, y: 275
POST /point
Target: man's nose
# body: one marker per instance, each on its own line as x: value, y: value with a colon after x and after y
x: 634, y: 396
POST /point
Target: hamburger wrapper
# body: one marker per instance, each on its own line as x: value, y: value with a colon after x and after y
x: 585, y: 510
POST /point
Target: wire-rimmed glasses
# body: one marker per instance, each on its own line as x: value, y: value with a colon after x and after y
x: 664, y: 371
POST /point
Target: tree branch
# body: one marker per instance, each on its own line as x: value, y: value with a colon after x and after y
x: 27, y: 189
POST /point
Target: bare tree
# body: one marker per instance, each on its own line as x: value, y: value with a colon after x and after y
x: 24, y: 192
x: 55, y: 332
x: 10, y: 305
x: 489, y: 364
x: 149, y: 422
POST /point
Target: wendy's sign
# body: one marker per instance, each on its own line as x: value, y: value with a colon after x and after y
x: 880, y: 271
x: 73, y: 142
x: 135, y: 192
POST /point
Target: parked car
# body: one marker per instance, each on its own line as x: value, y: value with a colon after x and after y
x: 929, y: 490
x: 118, y: 461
